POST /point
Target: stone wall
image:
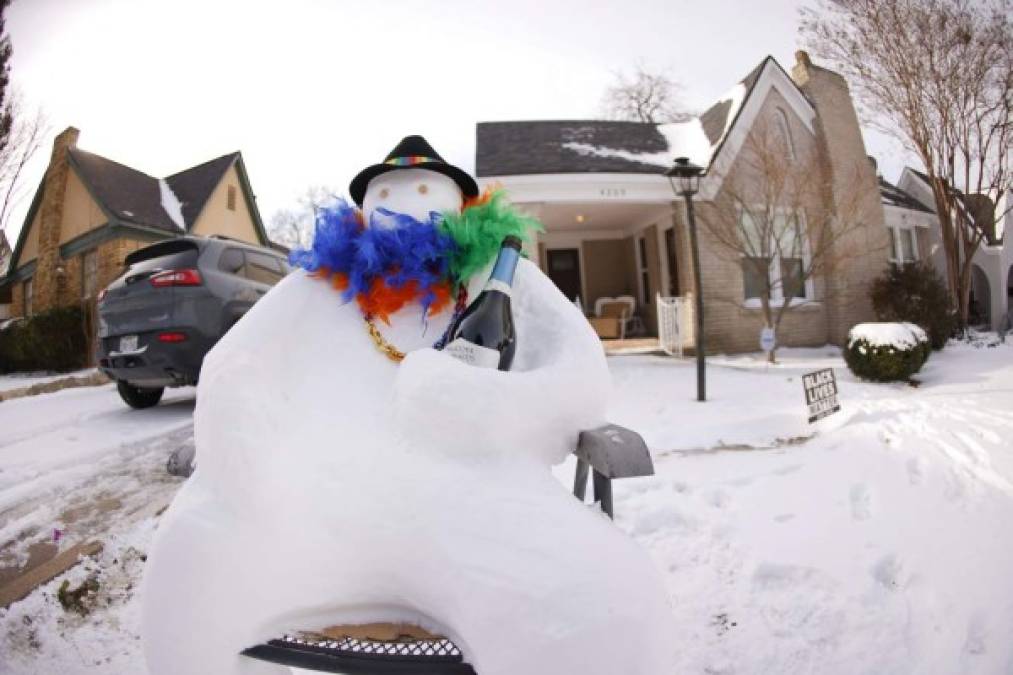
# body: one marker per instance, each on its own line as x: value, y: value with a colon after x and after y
x: 49, y: 283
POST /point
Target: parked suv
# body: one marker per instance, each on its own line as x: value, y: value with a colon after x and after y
x: 172, y: 303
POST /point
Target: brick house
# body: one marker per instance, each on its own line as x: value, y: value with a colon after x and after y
x: 89, y: 212
x: 613, y: 226
x: 5, y: 292
x: 992, y: 264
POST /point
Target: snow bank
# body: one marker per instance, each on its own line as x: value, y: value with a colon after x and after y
x: 898, y: 335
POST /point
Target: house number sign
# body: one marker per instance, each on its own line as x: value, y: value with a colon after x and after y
x: 612, y: 192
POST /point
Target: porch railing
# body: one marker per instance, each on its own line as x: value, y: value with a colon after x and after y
x: 675, y: 323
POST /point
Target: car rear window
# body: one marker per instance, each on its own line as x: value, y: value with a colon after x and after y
x: 263, y: 268
x: 167, y: 255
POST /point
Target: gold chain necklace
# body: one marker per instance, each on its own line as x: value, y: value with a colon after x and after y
x: 386, y: 348
x: 395, y: 354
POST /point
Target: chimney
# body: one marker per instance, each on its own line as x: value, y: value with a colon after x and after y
x: 800, y: 72
x: 50, y: 272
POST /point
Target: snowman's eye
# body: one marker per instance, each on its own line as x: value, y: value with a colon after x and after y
x: 384, y: 193
x: 423, y: 188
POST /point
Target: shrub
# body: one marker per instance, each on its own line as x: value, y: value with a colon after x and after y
x: 886, y: 352
x: 915, y: 293
x: 51, y: 340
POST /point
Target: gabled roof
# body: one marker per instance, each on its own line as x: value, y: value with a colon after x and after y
x: 126, y: 194
x: 5, y: 253
x: 130, y: 198
x: 194, y: 186
x: 894, y: 196
x: 592, y: 146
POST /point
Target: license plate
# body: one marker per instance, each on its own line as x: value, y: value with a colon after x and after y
x: 128, y: 343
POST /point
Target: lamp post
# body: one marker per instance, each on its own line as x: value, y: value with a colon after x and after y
x: 684, y: 176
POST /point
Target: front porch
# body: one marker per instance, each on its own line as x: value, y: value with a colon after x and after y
x: 645, y: 345
x: 624, y: 263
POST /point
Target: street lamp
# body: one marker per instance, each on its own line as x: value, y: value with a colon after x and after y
x: 684, y: 176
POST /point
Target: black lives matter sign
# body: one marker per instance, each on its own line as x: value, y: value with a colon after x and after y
x: 821, y: 394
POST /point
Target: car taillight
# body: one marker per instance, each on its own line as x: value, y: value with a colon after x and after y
x: 185, y: 277
x: 172, y: 337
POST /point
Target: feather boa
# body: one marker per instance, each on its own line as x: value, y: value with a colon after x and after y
x: 386, y: 268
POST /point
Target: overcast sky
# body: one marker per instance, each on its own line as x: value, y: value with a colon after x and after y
x: 311, y: 91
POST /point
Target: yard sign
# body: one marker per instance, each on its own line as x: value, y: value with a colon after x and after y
x: 821, y: 394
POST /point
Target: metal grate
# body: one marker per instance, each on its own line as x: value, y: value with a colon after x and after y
x: 441, y: 649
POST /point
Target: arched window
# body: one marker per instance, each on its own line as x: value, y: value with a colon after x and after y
x: 784, y: 129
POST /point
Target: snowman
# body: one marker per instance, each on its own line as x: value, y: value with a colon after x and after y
x: 349, y: 472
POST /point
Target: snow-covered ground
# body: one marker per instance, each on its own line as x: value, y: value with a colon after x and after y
x: 21, y: 380
x: 875, y: 541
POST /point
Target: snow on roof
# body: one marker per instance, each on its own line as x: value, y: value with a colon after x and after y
x: 684, y: 139
x: 171, y: 204
x: 897, y: 335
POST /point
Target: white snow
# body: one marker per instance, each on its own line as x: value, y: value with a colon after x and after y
x: 12, y: 381
x: 897, y: 335
x: 879, y: 545
x: 684, y: 139
x: 171, y: 204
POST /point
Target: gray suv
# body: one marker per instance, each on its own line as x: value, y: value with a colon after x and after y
x: 172, y: 303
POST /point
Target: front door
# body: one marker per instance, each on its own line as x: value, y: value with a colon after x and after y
x: 564, y: 270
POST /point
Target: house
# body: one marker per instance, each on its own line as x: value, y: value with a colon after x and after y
x: 613, y: 225
x: 5, y: 292
x: 991, y: 265
x: 89, y: 212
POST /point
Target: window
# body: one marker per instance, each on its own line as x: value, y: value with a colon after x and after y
x: 89, y: 274
x: 784, y: 131
x: 903, y: 244
x: 230, y: 198
x: 774, y: 257
x: 231, y: 261
x: 29, y: 295
x: 645, y: 277
x: 263, y: 268
x: 673, y: 262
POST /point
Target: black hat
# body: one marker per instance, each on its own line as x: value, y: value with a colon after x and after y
x: 413, y: 152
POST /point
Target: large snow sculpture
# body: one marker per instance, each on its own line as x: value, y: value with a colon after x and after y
x: 334, y: 485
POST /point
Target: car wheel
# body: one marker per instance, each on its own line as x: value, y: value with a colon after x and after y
x: 136, y: 397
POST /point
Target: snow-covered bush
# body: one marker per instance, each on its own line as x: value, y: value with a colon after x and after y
x: 914, y: 292
x: 886, y: 352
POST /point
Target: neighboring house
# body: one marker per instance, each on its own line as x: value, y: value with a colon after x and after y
x: 5, y: 292
x: 613, y: 226
x: 992, y: 264
x: 90, y: 212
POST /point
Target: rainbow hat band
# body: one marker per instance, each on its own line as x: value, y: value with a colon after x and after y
x: 409, y: 161
x: 413, y: 152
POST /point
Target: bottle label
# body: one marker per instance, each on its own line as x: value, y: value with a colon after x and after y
x: 497, y: 285
x: 472, y: 354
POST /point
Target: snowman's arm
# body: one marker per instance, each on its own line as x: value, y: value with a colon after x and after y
x: 558, y: 386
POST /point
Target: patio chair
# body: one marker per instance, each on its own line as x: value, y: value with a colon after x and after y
x: 610, y: 451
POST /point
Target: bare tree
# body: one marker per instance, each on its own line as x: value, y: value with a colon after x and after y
x: 294, y: 228
x: 938, y: 76
x: 644, y: 96
x: 770, y: 217
x: 24, y: 140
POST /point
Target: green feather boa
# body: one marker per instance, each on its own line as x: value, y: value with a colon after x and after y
x: 479, y: 231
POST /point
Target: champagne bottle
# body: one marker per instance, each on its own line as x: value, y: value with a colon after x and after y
x: 484, y: 334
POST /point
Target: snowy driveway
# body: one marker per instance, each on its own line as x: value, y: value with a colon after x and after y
x: 876, y: 541
x: 61, y: 452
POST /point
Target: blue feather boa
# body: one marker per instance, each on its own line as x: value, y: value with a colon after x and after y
x: 398, y: 251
